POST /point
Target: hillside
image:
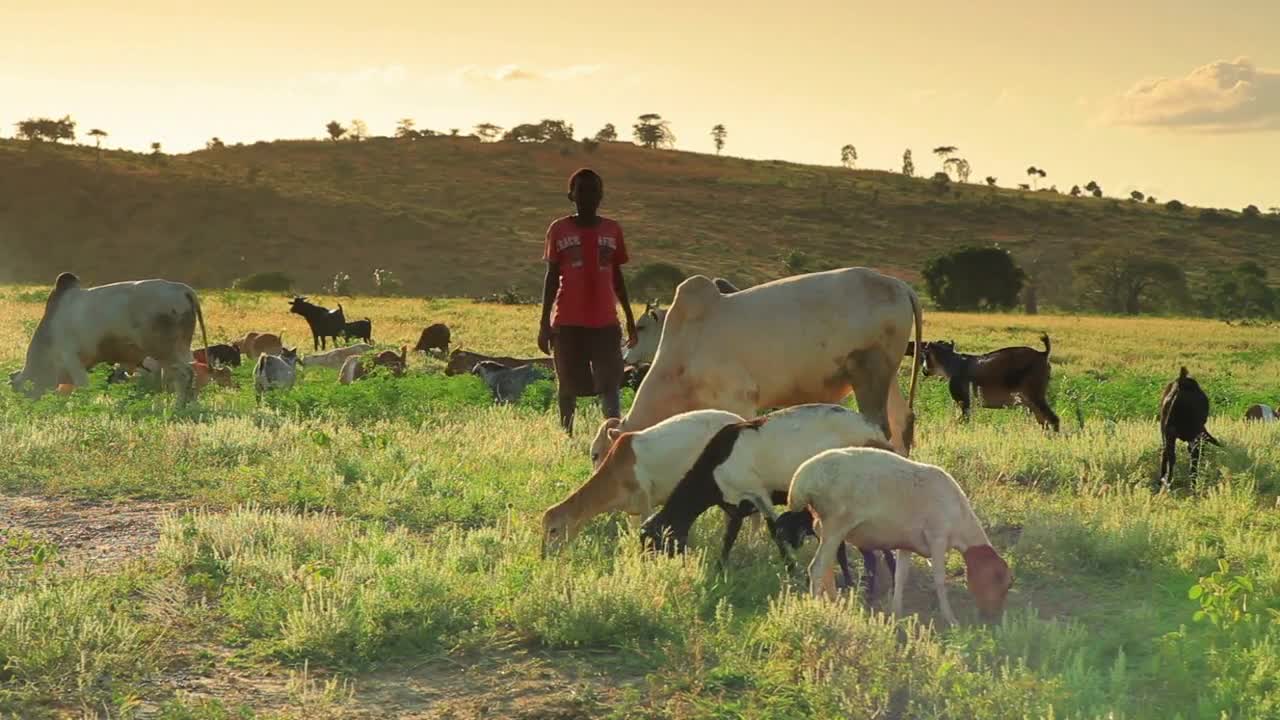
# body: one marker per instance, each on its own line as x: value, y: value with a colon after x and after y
x: 457, y: 217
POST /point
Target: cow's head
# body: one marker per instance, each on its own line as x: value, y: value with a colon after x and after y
x: 939, y: 358
x: 648, y: 332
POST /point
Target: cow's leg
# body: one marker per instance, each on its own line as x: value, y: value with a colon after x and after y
x: 76, y: 373
x: 899, y: 416
x: 183, y: 381
x: 871, y: 372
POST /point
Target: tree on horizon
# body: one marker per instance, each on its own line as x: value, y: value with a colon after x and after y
x: 944, y: 152
x: 908, y: 167
x: 488, y: 131
x: 404, y: 129
x: 608, y: 133
x: 991, y: 181
x: 848, y: 156
x: 653, y: 132
x: 335, y: 130
x: 359, y: 130
x: 97, y: 134
x: 718, y: 135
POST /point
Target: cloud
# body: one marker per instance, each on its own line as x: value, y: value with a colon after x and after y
x: 476, y: 75
x: 1220, y: 97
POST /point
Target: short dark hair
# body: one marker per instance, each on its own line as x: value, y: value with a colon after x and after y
x: 584, y: 174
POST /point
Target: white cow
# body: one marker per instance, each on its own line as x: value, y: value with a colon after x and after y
x: 648, y: 331
x: 123, y: 322
x: 803, y: 339
x: 336, y: 357
x: 275, y: 372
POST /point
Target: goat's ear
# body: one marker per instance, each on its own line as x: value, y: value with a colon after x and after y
x: 613, y: 433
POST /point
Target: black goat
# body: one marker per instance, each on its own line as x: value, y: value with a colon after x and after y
x: 359, y: 330
x: 794, y: 526
x: 1184, y: 409
x: 221, y: 355
x: 633, y: 375
x: 324, y: 323
x: 1004, y: 377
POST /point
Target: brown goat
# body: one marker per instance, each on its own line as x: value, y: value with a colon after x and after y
x: 434, y: 337
x: 462, y: 362
x: 353, y: 369
x: 1004, y: 377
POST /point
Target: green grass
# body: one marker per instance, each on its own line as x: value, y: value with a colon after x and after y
x: 348, y: 532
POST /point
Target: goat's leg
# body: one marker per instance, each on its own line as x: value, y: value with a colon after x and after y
x: 1194, y: 450
x: 1168, y: 459
x: 771, y: 519
x: 868, y: 580
x: 900, y: 581
x: 938, y: 563
x: 889, y: 561
x: 961, y: 392
x: 733, y: 524
x: 820, y: 578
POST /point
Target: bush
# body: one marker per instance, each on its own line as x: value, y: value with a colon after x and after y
x: 341, y: 285
x: 1251, y: 211
x: 273, y: 281
x: 510, y: 296
x: 1209, y: 215
x: 386, y: 284
x: 1174, y: 206
x: 940, y: 182
x: 973, y: 278
x: 656, y: 280
x: 797, y: 262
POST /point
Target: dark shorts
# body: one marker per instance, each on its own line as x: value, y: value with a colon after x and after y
x: 588, y: 360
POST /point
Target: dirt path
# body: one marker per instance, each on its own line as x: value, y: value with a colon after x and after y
x: 96, y: 536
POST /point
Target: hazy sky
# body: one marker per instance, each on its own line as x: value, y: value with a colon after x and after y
x: 1178, y: 98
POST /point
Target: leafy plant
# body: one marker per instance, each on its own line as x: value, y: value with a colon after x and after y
x: 1223, y: 596
x: 271, y: 281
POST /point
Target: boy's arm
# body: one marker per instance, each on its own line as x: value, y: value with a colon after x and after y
x: 620, y: 289
x: 550, y: 286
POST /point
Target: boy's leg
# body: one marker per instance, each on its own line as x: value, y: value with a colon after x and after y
x: 607, y: 369
x: 573, y: 371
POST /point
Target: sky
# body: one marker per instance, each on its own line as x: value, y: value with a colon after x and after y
x: 1179, y: 98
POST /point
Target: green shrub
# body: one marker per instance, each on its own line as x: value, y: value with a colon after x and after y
x: 657, y: 280
x: 272, y: 281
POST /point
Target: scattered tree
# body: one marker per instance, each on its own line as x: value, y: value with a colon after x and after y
x: 335, y: 130
x: 215, y: 143
x: 653, y: 132
x: 945, y: 151
x: 1075, y: 191
x: 1024, y: 186
x: 1241, y: 292
x: 608, y: 133
x: 359, y: 131
x: 1036, y: 174
x: 455, y: 132
x: 1251, y: 211
x: 1174, y: 206
x: 97, y: 134
x: 718, y: 135
x: 524, y: 132
x: 974, y: 278
x: 1137, y: 196
x: 1151, y: 199
x: 991, y: 181
x: 555, y: 131
x: 940, y: 181
x: 37, y: 129
x: 961, y: 167
x: 1094, y: 188
x: 1274, y: 210
x: 405, y: 131
x: 848, y: 156
x: 590, y: 145
x: 488, y: 132
x: 908, y: 167
x: 1126, y: 282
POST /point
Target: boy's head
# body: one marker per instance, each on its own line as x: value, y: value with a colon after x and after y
x: 586, y: 190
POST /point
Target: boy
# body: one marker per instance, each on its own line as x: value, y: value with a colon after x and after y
x: 585, y: 254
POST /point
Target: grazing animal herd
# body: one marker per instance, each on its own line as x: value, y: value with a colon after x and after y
x: 704, y: 369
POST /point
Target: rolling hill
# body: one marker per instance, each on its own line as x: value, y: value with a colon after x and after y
x: 456, y: 217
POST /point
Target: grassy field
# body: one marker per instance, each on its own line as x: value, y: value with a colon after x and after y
x: 373, y: 550
x: 456, y: 217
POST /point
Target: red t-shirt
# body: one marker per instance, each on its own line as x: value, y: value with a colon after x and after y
x: 587, y: 256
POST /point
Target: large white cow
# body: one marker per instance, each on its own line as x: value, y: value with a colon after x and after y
x: 124, y: 322
x: 803, y: 339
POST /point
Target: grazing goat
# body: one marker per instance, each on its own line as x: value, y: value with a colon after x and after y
x: 434, y: 337
x: 336, y: 357
x: 745, y: 465
x: 794, y: 526
x: 633, y: 375
x: 358, y: 330
x: 205, y: 373
x: 354, y: 369
x: 324, y: 323
x: 1004, y: 377
x: 275, y: 372
x: 878, y: 500
x: 1184, y: 409
x: 637, y: 473
x: 1260, y: 413
x: 218, y: 355
x: 254, y: 344
x: 507, y: 384
x: 462, y: 362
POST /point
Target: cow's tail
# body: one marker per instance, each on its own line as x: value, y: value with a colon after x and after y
x: 195, y: 305
x: 909, y: 431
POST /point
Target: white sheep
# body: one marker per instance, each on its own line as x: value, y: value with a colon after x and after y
x: 875, y: 499
x: 637, y: 473
x: 747, y: 466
